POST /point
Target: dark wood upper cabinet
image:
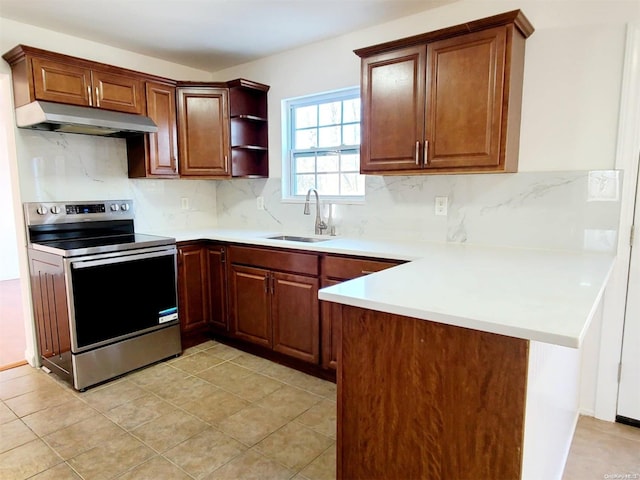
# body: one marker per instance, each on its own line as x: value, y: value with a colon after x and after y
x: 447, y: 101
x: 203, y: 131
x: 223, y: 129
x: 43, y: 75
x: 249, y: 129
x: 214, y: 130
x: 156, y: 154
x: 393, y: 98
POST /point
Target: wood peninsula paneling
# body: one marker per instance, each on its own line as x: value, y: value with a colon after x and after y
x: 423, y: 400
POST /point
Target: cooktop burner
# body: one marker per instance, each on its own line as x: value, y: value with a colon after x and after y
x: 89, y: 246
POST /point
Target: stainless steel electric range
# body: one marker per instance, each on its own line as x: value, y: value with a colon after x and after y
x: 104, y: 296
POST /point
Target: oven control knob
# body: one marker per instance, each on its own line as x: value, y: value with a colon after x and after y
x: 42, y: 210
x: 55, y: 210
x: 124, y: 207
x: 115, y: 207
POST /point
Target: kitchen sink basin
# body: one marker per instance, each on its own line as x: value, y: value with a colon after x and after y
x: 295, y: 238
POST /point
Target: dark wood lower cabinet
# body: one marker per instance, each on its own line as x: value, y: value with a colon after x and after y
x: 202, y: 290
x: 336, y: 269
x: 48, y: 291
x: 418, y: 399
x: 331, y: 323
x: 266, y: 300
x: 250, y: 300
x: 275, y: 309
x: 295, y: 315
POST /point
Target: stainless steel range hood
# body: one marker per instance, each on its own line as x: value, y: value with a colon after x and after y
x: 57, y: 117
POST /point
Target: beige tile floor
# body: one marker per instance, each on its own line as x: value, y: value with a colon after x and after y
x: 213, y: 413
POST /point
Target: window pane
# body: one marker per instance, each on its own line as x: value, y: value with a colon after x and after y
x: 351, y: 110
x: 330, y: 113
x: 351, y: 134
x: 329, y: 184
x: 328, y: 137
x: 350, y: 162
x: 304, y: 183
x: 328, y: 163
x: 352, y: 184
x: 305, y: 163
x: 306, y: 116
x: 306, y: 138
x: 323, y: 144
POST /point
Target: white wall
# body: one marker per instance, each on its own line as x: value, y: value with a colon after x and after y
x: 8, y: 240
x: 15, y: 33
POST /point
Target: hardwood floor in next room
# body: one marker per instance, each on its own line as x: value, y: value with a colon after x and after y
x: 213, y: 413
x: 12, y: 335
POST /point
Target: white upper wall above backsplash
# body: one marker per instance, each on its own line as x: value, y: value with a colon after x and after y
x: 15, y: 33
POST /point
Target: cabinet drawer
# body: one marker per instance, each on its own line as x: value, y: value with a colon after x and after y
x: 348, y: 268
x: 286, y: 261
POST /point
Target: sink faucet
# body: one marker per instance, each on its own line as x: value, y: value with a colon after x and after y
x: 320, y: 225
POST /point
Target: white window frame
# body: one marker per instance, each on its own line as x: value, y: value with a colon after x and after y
x: 287, y: 142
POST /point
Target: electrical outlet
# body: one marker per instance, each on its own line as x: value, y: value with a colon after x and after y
x: 260, y: 203
x: 441, y: 204
x: 184, y: 203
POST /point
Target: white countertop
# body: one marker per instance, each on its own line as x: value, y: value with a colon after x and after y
x: 540, y: 295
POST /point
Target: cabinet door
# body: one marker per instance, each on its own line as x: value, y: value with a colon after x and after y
x: 123, y: 93
x: 295, y: 316
x: 331, y: 327
x: 163, y: 146
x: 250, y: 302
x: 216, y: 260
x: 193, y: 300
x: 50, y: 307
x: 464, y: 105
x: 203, y: 132
x: 393, y: 98
x: 61, y: 82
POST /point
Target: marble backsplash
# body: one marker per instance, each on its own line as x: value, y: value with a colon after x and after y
x: 575, y: 210
x: 58, y: 167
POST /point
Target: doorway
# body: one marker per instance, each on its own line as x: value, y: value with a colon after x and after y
x: 13, y: 342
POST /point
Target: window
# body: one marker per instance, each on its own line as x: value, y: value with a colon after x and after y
x: 323, y: 145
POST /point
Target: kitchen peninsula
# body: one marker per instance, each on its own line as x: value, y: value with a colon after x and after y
x: 454, y: 365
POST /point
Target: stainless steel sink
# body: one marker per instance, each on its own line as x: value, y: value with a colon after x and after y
x: 295, y: 238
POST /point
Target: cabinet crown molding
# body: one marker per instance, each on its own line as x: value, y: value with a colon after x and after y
x: 515, y: 17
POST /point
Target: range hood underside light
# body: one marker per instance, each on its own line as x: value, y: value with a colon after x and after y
x: 58, y: 117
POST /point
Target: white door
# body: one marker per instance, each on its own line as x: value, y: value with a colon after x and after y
x: 629, y: 387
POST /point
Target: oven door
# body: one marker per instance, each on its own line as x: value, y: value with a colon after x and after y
x: 120, y: 295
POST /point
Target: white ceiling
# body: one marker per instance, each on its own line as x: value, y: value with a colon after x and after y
x: 209, y: 34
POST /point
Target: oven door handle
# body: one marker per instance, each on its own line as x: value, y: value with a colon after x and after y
x: 121, y: 258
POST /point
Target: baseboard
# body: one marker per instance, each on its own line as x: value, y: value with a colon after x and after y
x: 628, y: 421
x: 12, y: 365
